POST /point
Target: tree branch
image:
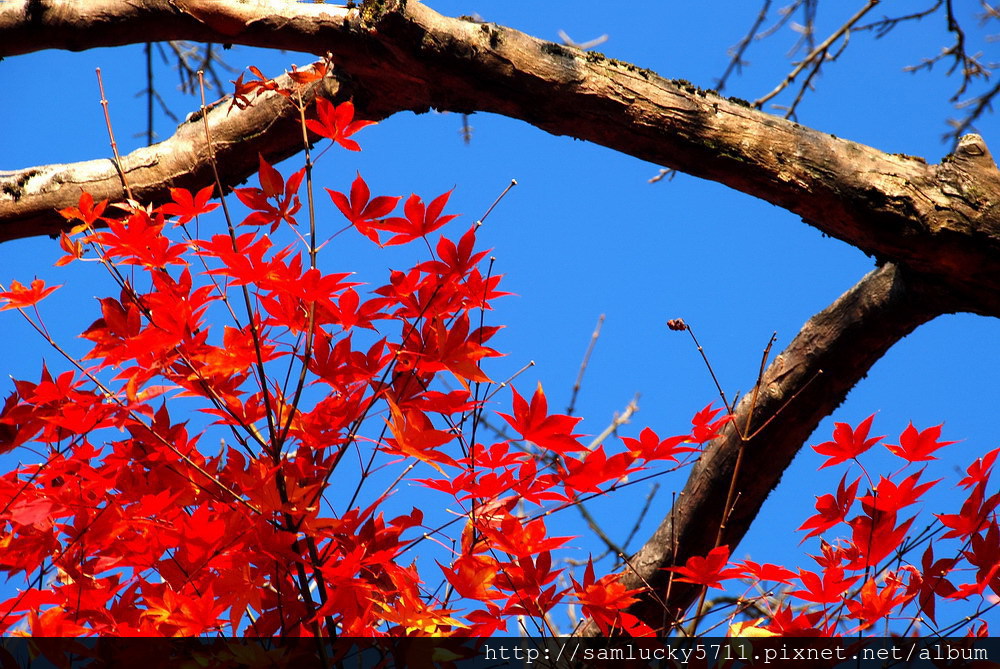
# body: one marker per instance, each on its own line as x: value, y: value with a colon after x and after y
x: 805, y: 383
x: 937, y: 219
x: 30, y: 198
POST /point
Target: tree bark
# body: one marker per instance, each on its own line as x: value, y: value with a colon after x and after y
x: 935, y: 228
x: 397, y: 55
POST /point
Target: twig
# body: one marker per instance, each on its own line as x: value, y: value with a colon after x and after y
x: 616, y: 422
x: 111, y: 136
x: 883, y: 26
x: 980, y: 105
x: 733, y: 494
x: 582, y: 46
x: 818, y: 52
x: 254, y: 333
x: 737, y: 62
x: 655, y: 488
x: 583, y: 365
x: 664, y: 173
x: 504, y: 384
x: 513, y: 182
x: 678, y: 325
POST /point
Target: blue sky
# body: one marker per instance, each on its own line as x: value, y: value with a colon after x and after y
x: 585, y: 234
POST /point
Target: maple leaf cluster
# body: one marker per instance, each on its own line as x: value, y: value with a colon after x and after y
x: 266, y: 515
x: 867, y: 579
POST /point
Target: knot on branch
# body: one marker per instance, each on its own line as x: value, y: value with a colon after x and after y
x: 970, y: 178
x: 972, y: 150
x: 372, y: 11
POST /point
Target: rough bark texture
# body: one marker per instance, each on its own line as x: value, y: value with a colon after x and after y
x: 936, y: 227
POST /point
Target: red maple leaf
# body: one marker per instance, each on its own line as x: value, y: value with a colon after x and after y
x: 831, y: 509
x: 511, y: 534
x: 183, y: 614
x: 473, y: 576
x: 456, y: 350
x: 455, y: 260
x: 535, y: 425
x: 415, y: 437
x: 709, y: 570
x: 186, y: 206
x: 361, y: 210
x: 604, y: 600
x: 589, y: 473
x: 705, y: 429
x: 527, y: 577
x: 847, y: 443
x: 419, y: 220
x: 890, y: 497
x: 139, y: 240
x: 73, y: 248
x: 315, y: 72
x: 85, y: 210
x: 876, y: 604
x: 351, y: 312
x: 337, y: 122
x: 786, y: 622
x: 974, y: 515
x: 56, y: 622
x: 984, y: 554
x: 876, y: 537
x: 258, y: 87
x: 767, y: 572
x: 935, y: 581
x: 272, y: 187
x: 650, y: 447
x: 980, y: 470
x: 917, y: 446
x: 826, y: 590
x: 20, y: 296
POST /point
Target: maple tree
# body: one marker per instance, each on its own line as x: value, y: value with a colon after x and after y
x: 128, y: 525
x: 158, y: 343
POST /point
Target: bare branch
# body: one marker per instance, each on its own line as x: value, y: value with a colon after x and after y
x: 583, y: 365
x: 736, y: 63
x: 818, y: 54
x: 886, y: 24
x: 977, y: 107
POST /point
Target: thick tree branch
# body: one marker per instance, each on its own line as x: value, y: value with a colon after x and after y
x: 937, y: 219
x: 805, y: 383
x: 30, y: 198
